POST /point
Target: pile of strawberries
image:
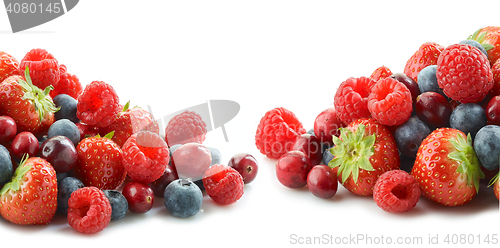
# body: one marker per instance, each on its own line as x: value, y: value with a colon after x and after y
x: 359, y: 132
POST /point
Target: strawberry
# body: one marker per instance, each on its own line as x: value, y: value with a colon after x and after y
x: 31, y: 197
x: 496, y: 186
x: 365, y: 150
x: 489, y: 38
x: 447, y: 167
x: 31, y: 108
x: 381, y: 72
x: 131, y: 121
x: 9, y: 66
x: 100, y: 163
x: 426, y: 55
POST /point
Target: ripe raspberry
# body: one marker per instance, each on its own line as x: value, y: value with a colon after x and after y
x: 89, y: 210
x: 381, y: 72
x: 68, y: 84
x: 351, y: 99
x: 495, y: 69
x: 186, y: 127
x: 464, y: 73
x: 396, y: 191
x: 9, y: 66
x: 277, y: 132
x: 223, y: 184
x: 145, y: 156
x: 390, y: 102
x: 44, y: 68
x: 98, y: 105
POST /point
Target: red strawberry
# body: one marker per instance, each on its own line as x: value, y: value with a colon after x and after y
x: 31, y: 197
x: 364, y: 151
x: 496, y: 185
x: 100, y: 163
x: 44, y: 68
x: 489, y: 38
x: 495, y: 69
x: 426, y: 55
x: 381, y: 72
x: 31, y: 108
x: 9, y: 66
x: 130, y: 121
x: 447, y: 167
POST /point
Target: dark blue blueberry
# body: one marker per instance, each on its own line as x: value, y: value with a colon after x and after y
x: 410, y: 134
x: 64, y: 189
x: 311, y: 132
x: 119, y: 204
x: 487, y: 146
x: 427, y: 80
x: 67, y: 109
x: 468, y: 118
x: 65, y: 128
x: 474, y: 44
x: 183, y: 198
x: 216, y: 156
x: 327, y: 156
x: 61, y: 176
x: 6, y: 169
x: 172, y: 150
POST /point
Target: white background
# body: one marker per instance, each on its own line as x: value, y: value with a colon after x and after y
x: 171, y: 55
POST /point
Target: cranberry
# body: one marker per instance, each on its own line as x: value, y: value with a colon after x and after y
x: 60, y: 152
x: 493, y: 110
x: 433, y: 109
x: 25, y: 143
x: 311, y: 146
x: 246, y: 165
x: 161, y: 183
x: 322, y: 181
x: 140, y: 197
x: 8, y: 129
x: 191, y: 160
x: 292, y: 169
x: 326, y: 125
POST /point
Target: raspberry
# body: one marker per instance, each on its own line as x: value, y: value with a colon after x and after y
x: 351, y: 99
x: 464, y: 73
x: 8, y: 66
x: 186, y: 127
x: 145, y: 156
x: 277, y: 132
x: 381, y: 72
x: 89, y: 210
x: 390, y: 102
x: 43, y: 67
x: 98, y: 105
x: 396, y: 191
x: 223, y: 184
x: 68, y: 84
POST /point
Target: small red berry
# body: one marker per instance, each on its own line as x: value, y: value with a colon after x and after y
x: 25, y: 143
x: 326, y: 125
x: 191, y: 160
x: 43, y: 67
x: 396, y: 191
x: 89, y: 210
x: 98, y: 105
x: 223, y: 184
x: 351, y: 99
x: 381, y: 72
x: 186, y: 127
x: 246, y: 165
x: 390, y: 102
x: 311, y: 147
x: 140, y: 197
x: 322, y: 181
x: 292, y: 169
x: 8, y: 129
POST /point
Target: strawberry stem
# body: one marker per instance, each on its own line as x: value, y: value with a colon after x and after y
x: 467, y: 159
x: 15, y: 183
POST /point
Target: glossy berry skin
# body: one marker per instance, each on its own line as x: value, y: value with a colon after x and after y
x: 9, y: 66
x: 409, y: 83
x: 87, y: 131
x: 223, y: 184
x: 191, y: 160
x: 183, y: 198
x: 6, y: 169
x: 433, y: 109
x: 98, y: 105
x: 489, y: 35
x: 65, y: 188
x: 464, y: 73
x: 468, y: 118
x: 351, y: 99
x: 427, y: 54
x: 495, y: 69
x: 159, y: 185
x: 396, y: 191
x: 67, y: 128
x: 474, y: 44
x: 427, y: 80
x: 44, y: 68
x: 25, y: 143
x: 447, y: 167
x: 493, y: 110
x: 118, y: 202
x: 326, y: 125
x: 8, y: 129
x: 292, y: 169
x: 246, y: 165
x: 487, y: 147
x: 322, y: 181
x: 89, y: 210
x: 496, y: 188
x: 327, y: 155
x: 311, y: 146
x: 60, y: 152
x: 67, y: 105
x: 140, y: 197
x: 390, y: 102
x: 381, y: 72
x: 410, y: 134
x: 215, y: 154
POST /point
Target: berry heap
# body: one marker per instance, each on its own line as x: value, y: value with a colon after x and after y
x: 84, y: 155
x: 431, y: 131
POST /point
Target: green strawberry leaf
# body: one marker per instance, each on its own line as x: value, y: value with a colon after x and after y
x: 494, y: 180
x: 467, y: 159
x: 17, y: 178
x: 109, y: 135
x: 126, y: 107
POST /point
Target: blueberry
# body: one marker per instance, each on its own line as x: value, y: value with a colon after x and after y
x: 216, y: 156
x: 474, y: 44
x: 171, y: 150
x: 311, y: 132
x: 183, y: 198
x: 6, y: 169
x: 119, y: 204
x: 410, y: 134
x: 427, y: 80
x: 468, y: 118
x: 64, y: 189
x: 67, y: 109
x: 66, y: 128
x: 327, y: 156
x: 487, y: 146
